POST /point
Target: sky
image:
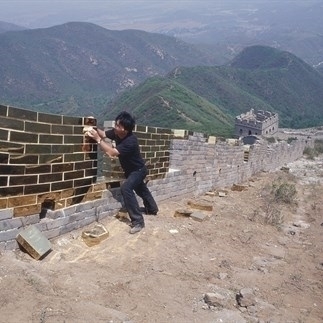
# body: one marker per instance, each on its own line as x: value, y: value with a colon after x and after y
x: 194, y: 21
x: 46, y: 13
x: 110, y: 13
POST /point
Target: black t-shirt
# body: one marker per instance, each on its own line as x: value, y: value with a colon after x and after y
x: 129, y: 151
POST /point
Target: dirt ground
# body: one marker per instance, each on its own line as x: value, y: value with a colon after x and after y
x: 182, y: 270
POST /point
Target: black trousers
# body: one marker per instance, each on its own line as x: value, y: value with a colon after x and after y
x: 135, y: 183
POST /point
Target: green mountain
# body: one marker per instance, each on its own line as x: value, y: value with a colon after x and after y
x: 83, y: 69
x: 77, y: 67
x: 292, y: 87
x: 259, y: 77
x: 164, y: 102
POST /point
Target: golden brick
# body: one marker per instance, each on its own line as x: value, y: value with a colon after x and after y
x: 49, y: 196
x: 3, y: 203
x: 67, y: 193
x: 26, y: 210
x: 21, y: 200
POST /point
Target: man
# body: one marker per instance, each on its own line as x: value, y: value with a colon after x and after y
x: 128, y: 151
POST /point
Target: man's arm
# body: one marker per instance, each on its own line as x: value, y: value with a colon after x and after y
x: 99, y: 135
x: 108, y: 149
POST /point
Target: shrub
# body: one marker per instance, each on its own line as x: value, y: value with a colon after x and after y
x: 273, y: 215
x: 284, y: 192
x: 271, y: 140
x: 290, y: 139
x: 318, y: 146
x: 268, y: 214
x: 309, y: 152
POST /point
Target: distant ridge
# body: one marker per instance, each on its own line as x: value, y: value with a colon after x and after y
x: 81, y: 69
x: 263, y: 57
x: 72, y: 67
x: 259, y: 77
x: 6, y: 26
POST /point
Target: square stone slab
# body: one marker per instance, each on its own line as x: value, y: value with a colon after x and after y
x: 33, y: 241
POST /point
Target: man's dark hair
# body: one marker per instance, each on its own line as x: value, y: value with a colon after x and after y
x: 126, y: 120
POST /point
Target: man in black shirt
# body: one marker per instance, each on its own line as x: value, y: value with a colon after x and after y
x: 133, y: 165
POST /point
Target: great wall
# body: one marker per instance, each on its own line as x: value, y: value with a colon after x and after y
x: 51, y: 175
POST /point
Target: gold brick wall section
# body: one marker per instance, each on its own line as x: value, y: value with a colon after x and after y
x: 155, y: 145
x: 45, y: 160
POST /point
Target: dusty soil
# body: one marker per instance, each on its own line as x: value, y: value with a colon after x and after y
x: 181, y: 270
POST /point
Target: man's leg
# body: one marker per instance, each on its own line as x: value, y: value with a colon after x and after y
x: 130, y: 200
x: 148, y: 200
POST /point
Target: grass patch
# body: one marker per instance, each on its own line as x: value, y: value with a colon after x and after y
x: 291, y: 139
x: 281, y: 191
x: 271, y: 140
x: 284, y: 192
x: 311, y: 153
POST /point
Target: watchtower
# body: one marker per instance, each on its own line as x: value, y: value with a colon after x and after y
x: 261, y: 123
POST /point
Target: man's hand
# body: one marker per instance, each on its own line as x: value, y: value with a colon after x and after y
x: 93, y: 134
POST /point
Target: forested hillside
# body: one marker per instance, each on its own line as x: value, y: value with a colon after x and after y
x: 259, y: 78
x: 83, y: 69
x: 78, y: 67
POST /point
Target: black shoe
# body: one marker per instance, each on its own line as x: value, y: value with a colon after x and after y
x: 136, y: 228
x: 145, y: 211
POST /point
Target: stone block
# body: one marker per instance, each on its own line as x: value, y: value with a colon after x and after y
x: 182, y: 213
x: 11, y: 245
x: 69, y: 227
x: 212, y: 140
x: 34, y: 242
x: 94, y: 236
x: 123, y: 216
x: 8, y: 235
x: 239, y: 188
x: 246, y: 297
x: 50, y: 234
x: 199, y: 216
x: 222, y: 193
x: 214, y: 299
x: 6, y: 214
x: 200, y: 205
x: 10, y: 224
x: 179, y: 133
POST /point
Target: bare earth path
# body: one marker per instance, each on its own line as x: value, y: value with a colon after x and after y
x: 181, y: 270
